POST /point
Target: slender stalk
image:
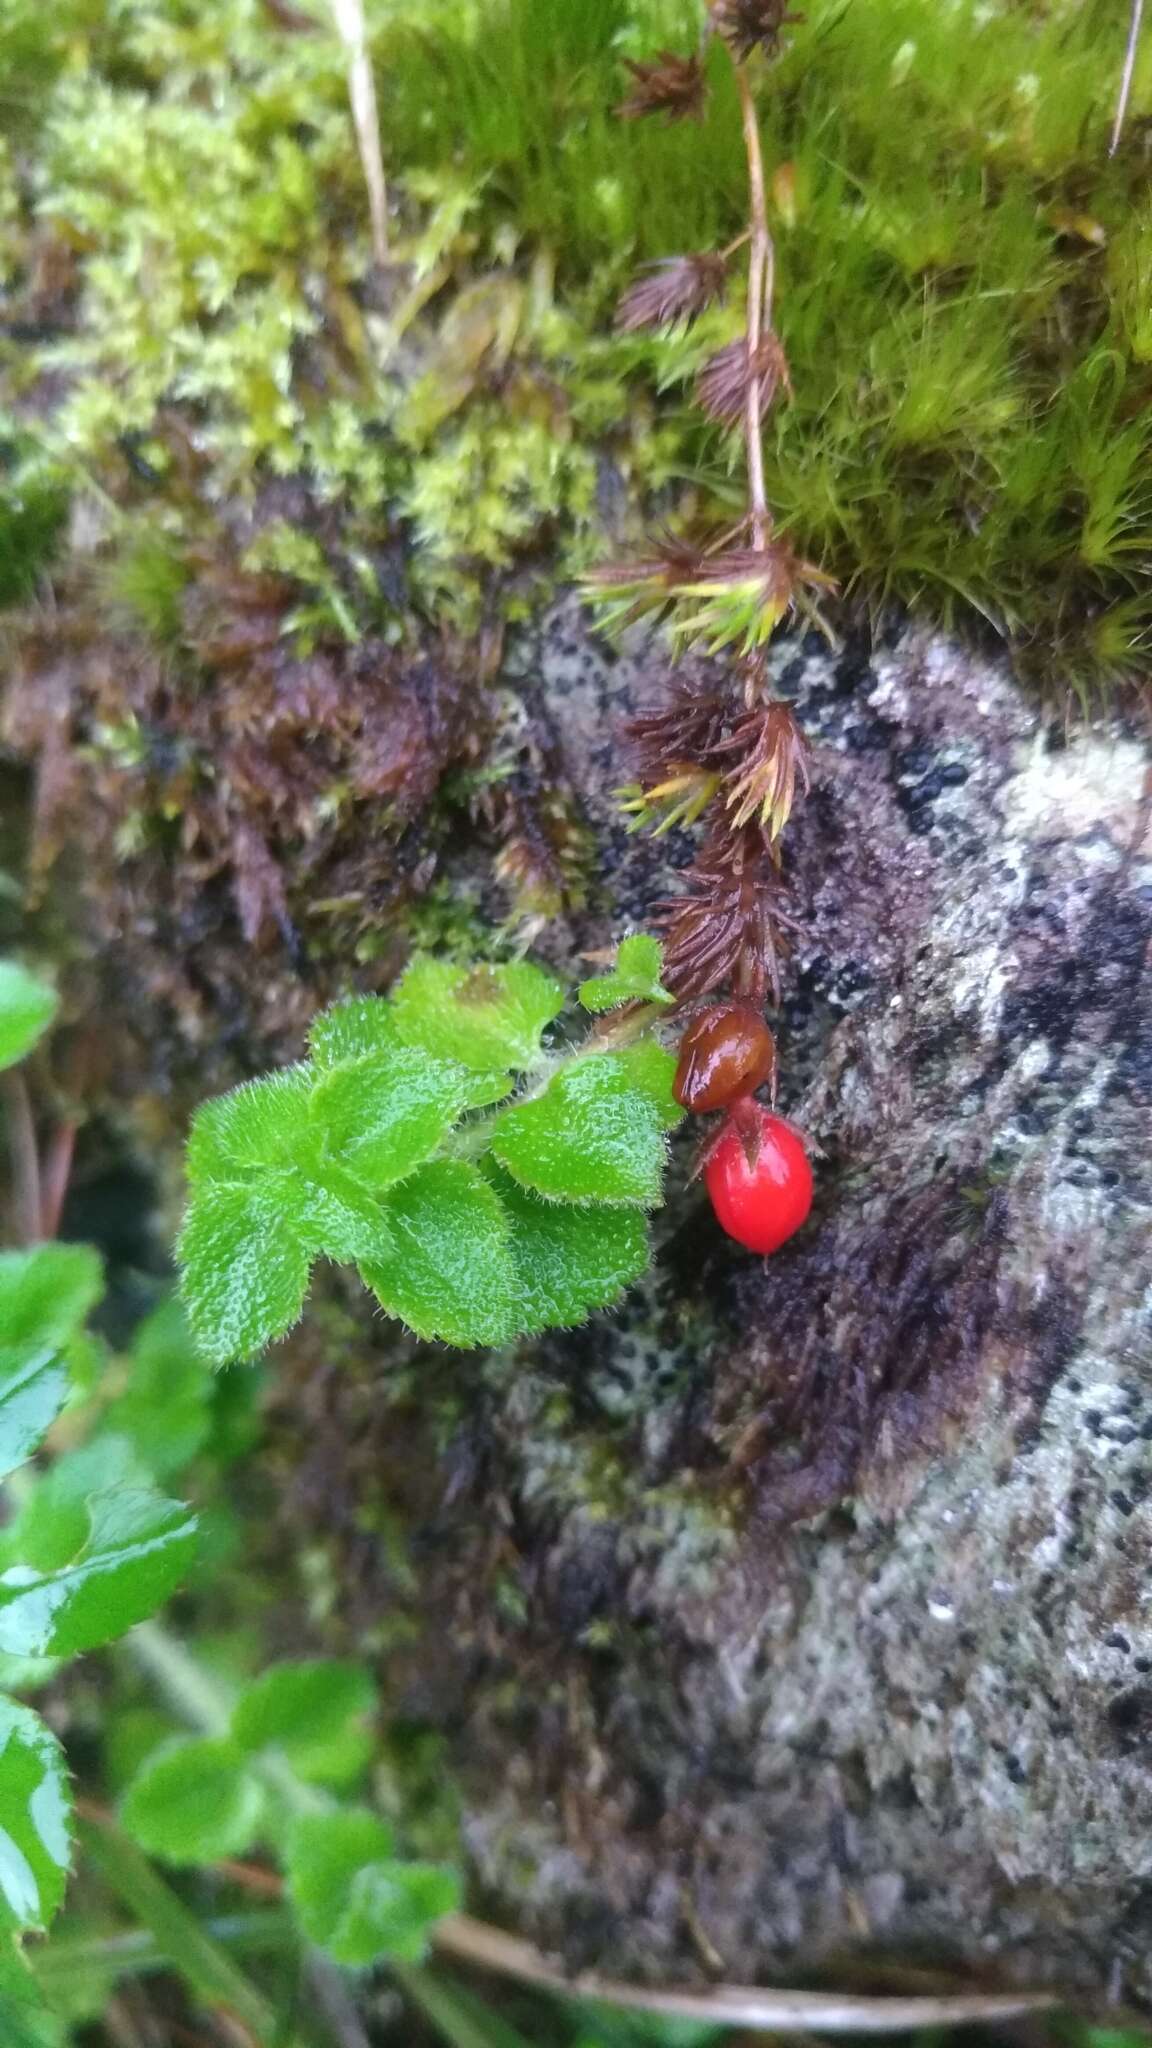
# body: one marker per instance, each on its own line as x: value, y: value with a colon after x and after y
x: 1134, y: 27
x: 184, y: 1941
x: 761, y: 282
x: 24, y: 1154
x: 55, y: 1175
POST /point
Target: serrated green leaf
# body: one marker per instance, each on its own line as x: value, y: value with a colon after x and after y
x: 360, y: 1027
x: 450, y: 1274
x: 487, y: 1018
x: 165, y: 1409
x: 27, y: 1007
x: 259, y: 1124
x: 354, y: 1898
x: 193, y: 1801
x: 45, y: 1294
x: 244, y: 1274
x: 382, y: 1116
x: 32, y: 1393
x: 327, y: 1210
x: 596, y: 1134
x: 635, y: 977
x: 318, y: 1711
x: 35, y: 1849
x: 364, y: 1027
x: 568, y: 1260
x: 134, y: 1551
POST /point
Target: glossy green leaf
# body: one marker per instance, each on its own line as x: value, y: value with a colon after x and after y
x: 27, y: 1007
x: 35, y: 1809
x: 193, y: 1801
x: 45, y: 1294
x: 134, y: 1551
x: 245, y: 1274
x: 165, y: 1409
x: 32, y: 1392
x: 596, y: 1134
x: 357, y: 1901
x: 318, y: 1711
x: 451, y: 1273
x: 259, y: 1124
x: 635, y: 977
x: 568, y: 1260
x: 382, y: 1116
x: 487, y: 1018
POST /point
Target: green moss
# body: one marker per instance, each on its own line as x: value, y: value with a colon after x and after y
x: 963, y: 289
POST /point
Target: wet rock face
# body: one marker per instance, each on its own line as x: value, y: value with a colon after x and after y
x: 898, y: 1699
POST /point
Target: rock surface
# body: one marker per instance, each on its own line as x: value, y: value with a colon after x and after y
x: 889, y: 1694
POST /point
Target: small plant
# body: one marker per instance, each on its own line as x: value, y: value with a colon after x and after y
x: 483, y: 1184
x: 722, y: 746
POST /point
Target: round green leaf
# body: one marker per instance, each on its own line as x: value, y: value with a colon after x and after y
x: 450, y: 1273
x: 194, y: 1801
x: 382, y: 1116
x: 245, y: 1273
x: 136, y: 1549
x: 357, y: 1901
x: 35, y: 1849
x: 596, y: 1134
x: 27, y: 1007
x: 487, y: 1018
x: 45, y: 1294
x: 318, y: 1711
x: 257, y: 1125
x: 568, y: 1260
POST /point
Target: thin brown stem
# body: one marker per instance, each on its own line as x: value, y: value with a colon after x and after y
x: 761, y: 280
x: 55, y: 1174
x: 24, y: 1154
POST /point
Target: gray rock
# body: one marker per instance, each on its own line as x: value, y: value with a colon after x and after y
x: 832, y: 1631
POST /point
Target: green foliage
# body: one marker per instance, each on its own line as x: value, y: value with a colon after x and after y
x: 634, y: 979
x: 27, y: 1007
x: 371, y: 1153
x: 35, y: 1848
x: 354, y: 1897
x: 88, y: 1550
x: 318, y: 1713
x: 194, y: 1801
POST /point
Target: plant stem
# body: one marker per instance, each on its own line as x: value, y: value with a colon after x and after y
x: 186, y: 1944
x: 761, y: 284
x: 55, y: 1174
x: 24, y: 1153
x: 1134, y: 27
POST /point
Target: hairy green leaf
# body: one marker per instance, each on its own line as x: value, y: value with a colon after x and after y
x: 450, y: 1274
x: 27, y: 1007
x: 326, y: 1209
x: 596, y: 1134
x: 360, y: 1027
x: 34, y: 1819
x: 245, y: 1274
x: 193, y: 1801
x: 354, y: 1898
x: 319, y: 1711
x: 568, y: 1260
x: 487, y: 1018
x: 635, y: 977
x: 383, y: 1115
x: 259, y: 1124
x: 134, y: 1551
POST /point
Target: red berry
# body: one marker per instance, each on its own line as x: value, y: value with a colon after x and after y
x: 760, y: 1206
